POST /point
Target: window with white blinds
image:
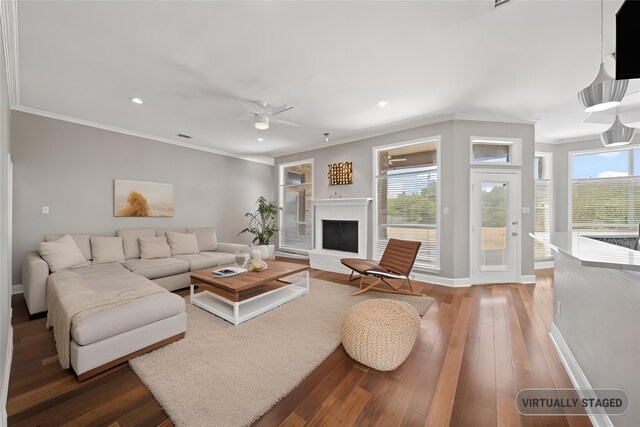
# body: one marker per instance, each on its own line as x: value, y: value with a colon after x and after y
x: 605, y: 191
x: 407, y: 199
x: 542, y: 209
x: 296, y: 195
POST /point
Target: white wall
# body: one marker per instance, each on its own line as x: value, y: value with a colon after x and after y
x: 5, y: 269
x: 454, y: 174
x: 70, y: 168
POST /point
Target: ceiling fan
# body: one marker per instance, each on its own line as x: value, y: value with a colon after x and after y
x: 263, y: 114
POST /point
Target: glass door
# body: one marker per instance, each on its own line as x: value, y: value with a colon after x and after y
x: 495, y: 232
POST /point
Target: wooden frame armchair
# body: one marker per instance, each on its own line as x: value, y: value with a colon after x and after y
x: 396, y: 263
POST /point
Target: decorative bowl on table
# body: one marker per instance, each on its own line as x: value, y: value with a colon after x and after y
x: 251, y: 267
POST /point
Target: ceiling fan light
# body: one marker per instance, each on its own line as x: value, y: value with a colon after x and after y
x: 261, y: 122
x: 603, y: 93
x: 617, y: 134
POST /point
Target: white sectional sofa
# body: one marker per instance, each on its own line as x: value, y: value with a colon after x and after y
x: 116, y: 334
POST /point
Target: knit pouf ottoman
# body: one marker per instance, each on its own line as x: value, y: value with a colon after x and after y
x: 380, y: 333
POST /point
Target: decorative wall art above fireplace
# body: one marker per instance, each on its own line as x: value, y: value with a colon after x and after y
x: 340, y: 173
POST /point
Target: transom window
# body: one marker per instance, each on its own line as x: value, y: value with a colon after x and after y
x: 605, y: 190
x: 406, y: 198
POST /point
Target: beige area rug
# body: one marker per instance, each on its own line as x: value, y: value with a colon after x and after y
x: 225, y: 375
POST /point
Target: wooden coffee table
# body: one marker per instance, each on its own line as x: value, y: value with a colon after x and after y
x: 239, y: 298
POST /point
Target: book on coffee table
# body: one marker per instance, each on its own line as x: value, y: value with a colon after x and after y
x: 228, y: 271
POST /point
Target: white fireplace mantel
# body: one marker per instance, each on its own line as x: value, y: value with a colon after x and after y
x: 341, y: 209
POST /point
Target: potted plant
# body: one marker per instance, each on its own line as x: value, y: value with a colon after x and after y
x: 263, y: 224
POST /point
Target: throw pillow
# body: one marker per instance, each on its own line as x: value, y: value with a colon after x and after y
x: 206, y: 237
x: 182, y: 243
x: 82, y: 240
x: 107, y: 249
x: 62, y: 253
x: 154, y: 247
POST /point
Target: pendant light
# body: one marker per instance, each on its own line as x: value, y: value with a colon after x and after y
x: 604, y: 92
x: 617, y: 134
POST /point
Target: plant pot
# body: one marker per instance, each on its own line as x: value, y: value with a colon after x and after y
x: 272, y: 251
x: 264, y: 250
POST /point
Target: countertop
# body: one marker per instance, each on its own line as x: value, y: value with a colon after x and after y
x: 591, y: 252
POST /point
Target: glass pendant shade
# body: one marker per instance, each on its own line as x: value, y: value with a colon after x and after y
x: 603, y: 93
x: 617, y: 134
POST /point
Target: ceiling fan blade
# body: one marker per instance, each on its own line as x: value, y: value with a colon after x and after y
x: 283, y: 122
x: 280, y: 109
x: 247, y: 106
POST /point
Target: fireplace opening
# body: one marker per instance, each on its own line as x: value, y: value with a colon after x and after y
x: 340, y: 235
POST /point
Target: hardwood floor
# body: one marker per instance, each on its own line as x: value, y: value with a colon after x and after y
x: 476, y: 348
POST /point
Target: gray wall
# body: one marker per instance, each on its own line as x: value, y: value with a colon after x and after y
x: 71, y: 168
x: 560, y: 175
x: 454, y: 175
x: 5, y: 270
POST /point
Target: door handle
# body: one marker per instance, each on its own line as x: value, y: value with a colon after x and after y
x: 514, y: 234
x: 514, y: 223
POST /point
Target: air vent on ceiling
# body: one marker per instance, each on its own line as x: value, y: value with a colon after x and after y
x: 497, y: 3
x: 182, y: 135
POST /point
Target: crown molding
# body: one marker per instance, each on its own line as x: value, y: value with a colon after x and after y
x: 497, y: 119
x: 83, y: 122
x: 9, y: 23
x: 584, y: 138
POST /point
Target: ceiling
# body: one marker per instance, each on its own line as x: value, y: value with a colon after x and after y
x: 333, y: 61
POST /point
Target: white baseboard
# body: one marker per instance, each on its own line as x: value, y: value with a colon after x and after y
x: 539, y: 265
x: 577, y: 376
x: 17, y: 289
x: 444, y: 281
x: 6, y: 371
x: 529, y: 278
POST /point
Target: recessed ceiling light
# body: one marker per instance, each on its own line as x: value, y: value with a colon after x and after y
x: 136, y: 100
x: 382, y: 103
x: 260, y: 139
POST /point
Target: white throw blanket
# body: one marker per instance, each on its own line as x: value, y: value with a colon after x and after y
x: 70, y: 301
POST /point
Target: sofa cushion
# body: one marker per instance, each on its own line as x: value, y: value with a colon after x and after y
x: 126, y: 317
x: 82, y: 240
x: 155, y: 268
x: 62, y: 253
x: 182, y: 243
x: 163, y: 231
x: 154, y: 247
x: 206, y: 237
x: 130, y: 238
x: 107, y: 249
x: 221, y: 258
x: 197, y: 261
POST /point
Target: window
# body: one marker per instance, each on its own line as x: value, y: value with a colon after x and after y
x: 542, y: 207
x: 605, y: 191
x: 406, y: 198
x: 496, y: 151
x: 296, y: 195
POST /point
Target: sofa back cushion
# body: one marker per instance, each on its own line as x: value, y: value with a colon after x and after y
x: 82, y: 240
x: 154, y: 247
x: 162, y: 232
x: 130, y: 238
x: 107, y: 249
x: 182, y: 243
x: 206, y: 237
x: 62, y: 253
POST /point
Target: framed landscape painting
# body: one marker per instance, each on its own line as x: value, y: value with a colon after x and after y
x: 141, y: 198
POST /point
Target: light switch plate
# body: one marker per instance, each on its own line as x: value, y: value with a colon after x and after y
x: 45, y: 209
x: 445, y: 210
